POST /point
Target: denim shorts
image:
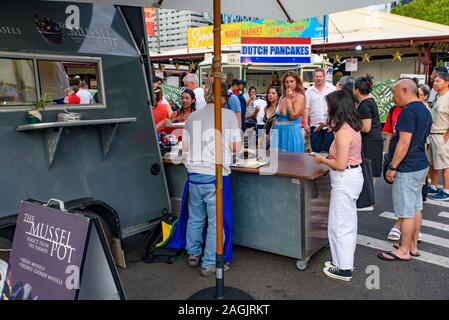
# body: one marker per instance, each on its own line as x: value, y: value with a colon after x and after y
x: 407, y: 197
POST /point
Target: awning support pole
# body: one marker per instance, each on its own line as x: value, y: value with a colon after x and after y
x: 218, y: 150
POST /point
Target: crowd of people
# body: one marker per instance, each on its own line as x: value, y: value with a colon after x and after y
x: 78, y: 93
x: 340, y: 127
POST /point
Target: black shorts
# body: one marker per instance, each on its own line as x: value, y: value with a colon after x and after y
x: 373, y: 150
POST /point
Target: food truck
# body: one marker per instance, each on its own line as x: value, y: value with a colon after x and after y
x: 260, y: 75
x: 107, y: 159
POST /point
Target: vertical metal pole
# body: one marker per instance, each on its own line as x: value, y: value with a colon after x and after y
x: 219, y: 293
x: 418, y: 71
x: 427, y: 61
x: 325, y: 26
x: 158, y: 32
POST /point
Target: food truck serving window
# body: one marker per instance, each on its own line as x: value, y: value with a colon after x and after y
x: 17, y: 82
x: 73, y: 83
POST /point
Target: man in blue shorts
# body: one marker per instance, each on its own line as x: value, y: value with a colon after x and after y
x: 408, y: 168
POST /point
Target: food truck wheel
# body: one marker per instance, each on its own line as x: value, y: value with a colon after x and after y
x: 302, y: 264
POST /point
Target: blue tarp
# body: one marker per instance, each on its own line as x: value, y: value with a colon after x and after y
x: 178, y: 240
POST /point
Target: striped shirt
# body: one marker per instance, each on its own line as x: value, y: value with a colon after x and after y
x: 355, y: 150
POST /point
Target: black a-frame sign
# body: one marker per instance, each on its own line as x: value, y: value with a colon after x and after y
x: 99, y: 276
x: 60, y: 255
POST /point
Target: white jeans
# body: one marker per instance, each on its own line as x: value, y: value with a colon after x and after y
x: 342, y: 228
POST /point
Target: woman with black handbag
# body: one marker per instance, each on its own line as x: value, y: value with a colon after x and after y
x: 372, y: 141
x: 344, y: 159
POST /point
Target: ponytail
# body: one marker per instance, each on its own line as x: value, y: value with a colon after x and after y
x: 364, y: 84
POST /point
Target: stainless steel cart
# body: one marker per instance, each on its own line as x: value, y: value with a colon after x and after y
x: 285, y: 213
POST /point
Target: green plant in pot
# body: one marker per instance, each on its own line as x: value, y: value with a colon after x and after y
x: 34, y: 115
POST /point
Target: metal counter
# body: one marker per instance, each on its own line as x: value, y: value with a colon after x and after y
x: 285, y: 213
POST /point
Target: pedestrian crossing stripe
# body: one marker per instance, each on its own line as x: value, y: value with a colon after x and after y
x: 388, y: 246
x: 428, y: 238
x: 444, y: 214
x: 425, y: 223
x: 437, y: 203
x: 443, y: 242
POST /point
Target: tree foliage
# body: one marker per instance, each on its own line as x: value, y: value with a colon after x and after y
x: 430, y: 10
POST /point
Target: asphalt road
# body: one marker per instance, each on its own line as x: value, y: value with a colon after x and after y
x: 269, y: 276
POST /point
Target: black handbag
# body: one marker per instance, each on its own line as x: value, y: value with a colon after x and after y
x: 387, y: 158
x: 386, y: 164
x: 367, y: 197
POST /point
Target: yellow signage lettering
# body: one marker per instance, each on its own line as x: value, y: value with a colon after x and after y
x: 201, y: 37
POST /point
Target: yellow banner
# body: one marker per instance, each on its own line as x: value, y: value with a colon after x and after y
x: 231, y: 33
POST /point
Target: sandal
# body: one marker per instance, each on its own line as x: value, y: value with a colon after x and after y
x: 416, y: 254
x: 394, y: 235
x: 384, y: 255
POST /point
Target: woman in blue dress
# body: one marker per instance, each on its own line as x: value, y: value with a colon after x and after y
x: 287, y: 135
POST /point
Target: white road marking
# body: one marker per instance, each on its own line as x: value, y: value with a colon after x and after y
x: 444, y: 214
x: 435, y: 240
x: 426, y: 223
x: 443, y: 242
x: 437, y: 203
x: 387, y: 246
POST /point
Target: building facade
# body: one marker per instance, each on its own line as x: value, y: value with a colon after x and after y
x: 173, y: 25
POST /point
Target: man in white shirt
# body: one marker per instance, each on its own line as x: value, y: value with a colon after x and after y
x: 316, y: 107
x: 54, y: 80
x: 198, y: 142
x: 201, y: 148
x: 191, y: 82
x: 84, y: 94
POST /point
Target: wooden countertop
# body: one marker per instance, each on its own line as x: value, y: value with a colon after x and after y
x: 294, y: 165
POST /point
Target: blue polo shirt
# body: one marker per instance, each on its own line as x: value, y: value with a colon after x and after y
x: 415, y: 119
x: 234, y: 103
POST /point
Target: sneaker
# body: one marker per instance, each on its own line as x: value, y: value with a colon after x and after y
x: 210, y: 271
x: 370, y: 208
x: 193, y: 261
x: 441, y: 196
x: 335, y: 273
x: 432, y: 190
x: 329, y: 264
x: 207, y: 272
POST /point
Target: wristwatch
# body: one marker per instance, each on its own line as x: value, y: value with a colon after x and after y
x: 391, y: 168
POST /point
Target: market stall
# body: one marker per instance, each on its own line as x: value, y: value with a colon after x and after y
x: 285, y: 213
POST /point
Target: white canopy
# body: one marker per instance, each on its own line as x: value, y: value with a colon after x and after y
x: 270, y: 9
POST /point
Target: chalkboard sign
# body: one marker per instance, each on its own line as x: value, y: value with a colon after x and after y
x: 59, y: 255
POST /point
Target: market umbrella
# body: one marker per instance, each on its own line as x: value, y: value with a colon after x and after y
x: 273, y: 9
x: 270, y: 9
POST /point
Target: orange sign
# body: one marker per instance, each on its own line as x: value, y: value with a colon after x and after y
x: 149, y: 20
